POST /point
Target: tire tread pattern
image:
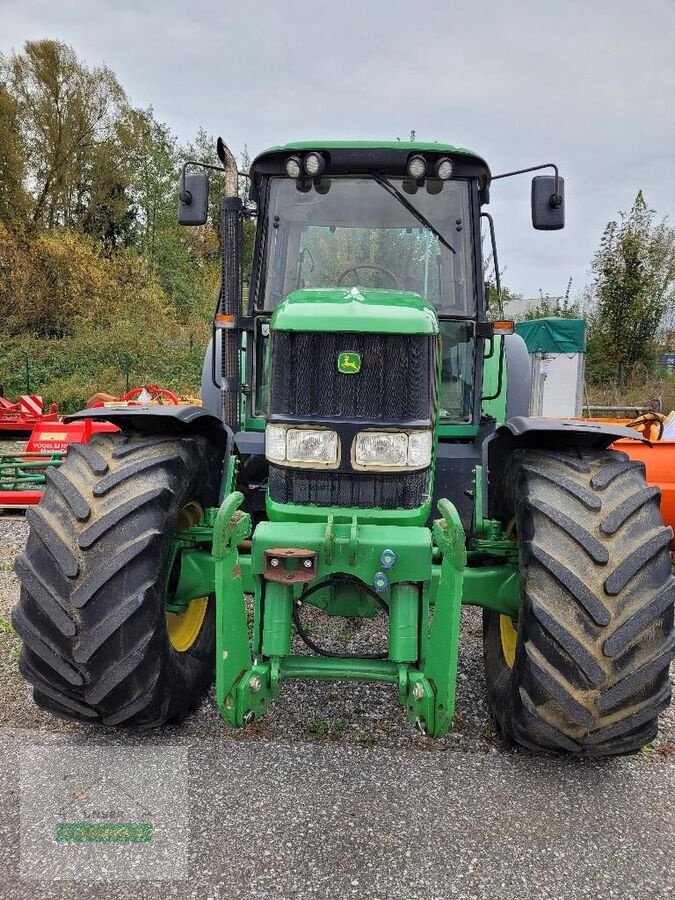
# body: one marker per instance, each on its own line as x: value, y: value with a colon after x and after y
x: 91, y: 609
x: 595, y: 629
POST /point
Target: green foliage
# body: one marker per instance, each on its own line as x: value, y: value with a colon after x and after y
x: 69, y: 370
x: 632, y: 293
x: 66, y: 111
x: 557, y: 307
x: 13, y: 198
x: 96, y: 276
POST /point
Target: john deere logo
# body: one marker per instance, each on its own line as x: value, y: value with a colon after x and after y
x: 349, y: 363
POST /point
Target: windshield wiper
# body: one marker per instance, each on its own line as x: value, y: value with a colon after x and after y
x: 421, y: 218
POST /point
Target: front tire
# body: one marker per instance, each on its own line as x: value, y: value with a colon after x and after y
x: 585, y: 668
x: 98, y: 646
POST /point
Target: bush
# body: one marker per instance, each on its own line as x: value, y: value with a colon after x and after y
x: 69, y: 370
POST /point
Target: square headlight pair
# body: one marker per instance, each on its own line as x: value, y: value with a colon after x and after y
x: 382, y: 450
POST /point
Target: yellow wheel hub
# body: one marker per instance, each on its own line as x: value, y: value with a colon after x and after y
x: 509, y: 638
x: 507, y: 631
x: 184, y: 628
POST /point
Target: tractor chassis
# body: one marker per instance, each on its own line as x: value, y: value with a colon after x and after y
x: 413, y: 568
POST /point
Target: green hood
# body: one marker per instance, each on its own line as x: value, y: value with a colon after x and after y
x: 355, y: 309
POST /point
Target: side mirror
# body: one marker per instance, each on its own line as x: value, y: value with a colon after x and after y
x: 193, y: 198
x: 548, y: 206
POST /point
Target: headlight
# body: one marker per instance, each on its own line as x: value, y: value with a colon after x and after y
x: 305, y: 445
x: 381, y: 448
x: 393, y: 450
x: 301, y: 446
x: 444, y: 168
x: 293, y: 167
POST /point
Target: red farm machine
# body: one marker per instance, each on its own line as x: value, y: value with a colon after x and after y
x: 23, y: 473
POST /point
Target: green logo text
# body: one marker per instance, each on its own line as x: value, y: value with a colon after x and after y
x: 103, y: 832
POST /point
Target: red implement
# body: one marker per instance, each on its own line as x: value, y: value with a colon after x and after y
x: 21, y: 418
x: 22, y: 475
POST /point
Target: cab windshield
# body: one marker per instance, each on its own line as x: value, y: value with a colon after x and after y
x: 353, y: 232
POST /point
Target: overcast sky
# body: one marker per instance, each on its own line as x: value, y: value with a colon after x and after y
x: 589, y: 85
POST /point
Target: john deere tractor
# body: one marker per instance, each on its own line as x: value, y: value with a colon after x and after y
x: 364, y: 447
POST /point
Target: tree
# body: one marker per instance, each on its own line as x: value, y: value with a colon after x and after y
x: 105, y: 209
x: 632, y: 292
x: 558, y: 307
x: 66, y: 110
x: 154, y: 162
x: 13, y: 197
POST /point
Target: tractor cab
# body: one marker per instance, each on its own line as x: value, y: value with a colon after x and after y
x: 387, y: 222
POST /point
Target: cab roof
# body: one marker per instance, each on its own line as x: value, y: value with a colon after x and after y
x: 366, y: 156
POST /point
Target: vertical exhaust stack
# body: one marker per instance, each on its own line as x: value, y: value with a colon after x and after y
x: 230, y: 301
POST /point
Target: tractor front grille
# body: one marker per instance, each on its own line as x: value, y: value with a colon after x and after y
x: 396, y: 384
x: 395, y: 388
x: 381, y: 490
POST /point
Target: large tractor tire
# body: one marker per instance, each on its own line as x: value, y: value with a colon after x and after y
x: 98, y: 644
x: 585, y: 668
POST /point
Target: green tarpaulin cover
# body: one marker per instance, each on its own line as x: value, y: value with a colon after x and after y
x: 552, y: 335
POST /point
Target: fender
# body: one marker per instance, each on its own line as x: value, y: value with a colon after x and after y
x: 163, y: 420
x: 522, y: 432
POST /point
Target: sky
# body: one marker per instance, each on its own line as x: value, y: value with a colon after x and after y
x: 589, y: 85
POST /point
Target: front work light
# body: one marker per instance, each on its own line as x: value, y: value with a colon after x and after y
x: 314, y: 164
x: 444, y: 168
x: 293, y: 167
x: 392, y: 450
x: 417, y: 167
x: 301, y: 446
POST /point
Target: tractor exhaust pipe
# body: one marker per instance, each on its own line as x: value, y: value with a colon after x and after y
x: 193, y: 195
x: 230, y: 310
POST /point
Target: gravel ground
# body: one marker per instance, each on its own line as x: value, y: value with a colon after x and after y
x: 344, y: 713
x: 274, y: 820
x: 366, y: 714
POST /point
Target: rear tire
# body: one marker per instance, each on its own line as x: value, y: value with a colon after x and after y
x: 91, y: 615
x: 586, y: 672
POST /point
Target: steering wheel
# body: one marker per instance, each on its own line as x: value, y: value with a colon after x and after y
x: 350, y: 269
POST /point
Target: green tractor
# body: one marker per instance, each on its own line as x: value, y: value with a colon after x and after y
x: 364, y: 445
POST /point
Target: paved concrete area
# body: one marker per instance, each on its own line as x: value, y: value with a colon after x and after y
x: 280, y: 820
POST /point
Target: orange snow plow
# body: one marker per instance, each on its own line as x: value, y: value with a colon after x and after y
x: 658, y: 457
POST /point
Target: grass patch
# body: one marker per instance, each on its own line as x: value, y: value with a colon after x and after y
x: 318, y: 728
x: 5, y: 626
x: 323, y: 728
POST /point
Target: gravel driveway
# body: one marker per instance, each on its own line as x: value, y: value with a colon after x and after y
x: 355, y: 736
